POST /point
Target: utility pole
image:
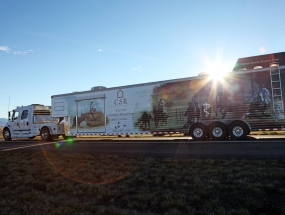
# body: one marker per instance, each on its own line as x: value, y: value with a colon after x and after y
x: 9, y: 103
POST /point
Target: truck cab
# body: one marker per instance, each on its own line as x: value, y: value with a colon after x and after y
x: 31, y: 121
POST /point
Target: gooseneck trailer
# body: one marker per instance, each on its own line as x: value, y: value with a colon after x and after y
x: 246, y: 99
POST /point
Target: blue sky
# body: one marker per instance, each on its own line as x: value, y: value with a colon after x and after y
x: 56, y: 47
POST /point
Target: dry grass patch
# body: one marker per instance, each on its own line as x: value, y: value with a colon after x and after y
x: 37, y: 183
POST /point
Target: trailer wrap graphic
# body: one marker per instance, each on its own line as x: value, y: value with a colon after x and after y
x: 171, y: 106
x: 90, y: 115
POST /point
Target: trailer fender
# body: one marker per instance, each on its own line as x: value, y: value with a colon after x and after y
x: 248, y: 126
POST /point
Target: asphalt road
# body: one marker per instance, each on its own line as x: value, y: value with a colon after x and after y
x: 255, y: 147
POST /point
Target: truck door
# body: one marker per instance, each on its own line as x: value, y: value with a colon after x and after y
x: 24, y: 122
x: 15, y: 124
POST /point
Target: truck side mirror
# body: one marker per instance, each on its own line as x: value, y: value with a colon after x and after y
x: 9, y: 115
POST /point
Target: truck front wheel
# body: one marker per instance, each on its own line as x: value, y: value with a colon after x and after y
x: 7, y: 134
x: 45, y: 134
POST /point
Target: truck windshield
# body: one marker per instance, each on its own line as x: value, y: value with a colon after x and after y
x: 38, y: 119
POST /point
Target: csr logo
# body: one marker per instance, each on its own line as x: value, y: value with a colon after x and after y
x: 120, y: 98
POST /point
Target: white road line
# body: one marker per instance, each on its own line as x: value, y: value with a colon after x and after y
x: 22, y: 147
x: 2, y: 148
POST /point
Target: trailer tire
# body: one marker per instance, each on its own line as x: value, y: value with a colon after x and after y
x: 238, y: 131
x: 7, y: 134
x: 198, y: 131
x: 217, y: 131
x: 45, y: 134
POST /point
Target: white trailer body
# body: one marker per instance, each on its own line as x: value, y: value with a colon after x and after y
x: 249, y: 98
x: 31, y: 121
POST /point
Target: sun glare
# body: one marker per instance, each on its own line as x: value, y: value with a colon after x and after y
x: 217, y: 69
x: 217, y: 74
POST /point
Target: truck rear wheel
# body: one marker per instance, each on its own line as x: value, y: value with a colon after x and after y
x: 45, y: 134
x: 7, y: 134
x: 238, y: 131
x: 217, y: 131
x: 198, y: 131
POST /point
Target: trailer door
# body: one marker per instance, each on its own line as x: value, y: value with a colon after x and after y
x: 90, y: 115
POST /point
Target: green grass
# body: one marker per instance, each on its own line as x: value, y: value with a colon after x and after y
x: 46, y: 183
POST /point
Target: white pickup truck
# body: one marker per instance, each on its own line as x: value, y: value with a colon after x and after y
x: 31, y: 121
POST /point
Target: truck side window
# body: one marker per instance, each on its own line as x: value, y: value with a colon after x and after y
x: 24, y: 114
x: 15, y: 115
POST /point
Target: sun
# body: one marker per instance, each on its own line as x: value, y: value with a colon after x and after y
x: 217, y: 69
x: 217, y: 74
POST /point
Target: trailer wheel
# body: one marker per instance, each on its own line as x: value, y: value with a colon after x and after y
x: 7, y: 134
x: 217, y: 131
x: 238, y: 131
x: 198, y: 132
x: 45, y: 134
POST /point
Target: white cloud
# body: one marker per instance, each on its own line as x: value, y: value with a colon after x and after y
x: 20, y: 53
x: 100, y: 50
x: 15, y: 52
x: 137, y: 68
x: 4, y: 48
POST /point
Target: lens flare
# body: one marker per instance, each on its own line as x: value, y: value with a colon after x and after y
x: 85, y: 168
x: 262, y: 50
